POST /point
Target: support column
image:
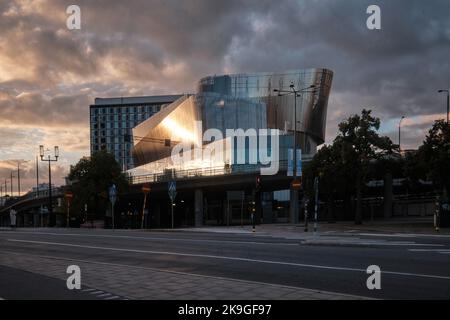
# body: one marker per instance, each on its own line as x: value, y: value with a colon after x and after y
x: 293, y: 206
x: 258, y: 207
x: 157, y: 214
x: 388, y: 194
x: 198, y: 207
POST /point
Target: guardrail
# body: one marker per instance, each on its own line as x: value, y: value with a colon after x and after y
x: 200, y: 173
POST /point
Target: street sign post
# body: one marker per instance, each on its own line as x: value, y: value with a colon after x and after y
x: 316, y: 202
x: 112, y: 198
x: 172, y: 189
x: 146, y: 190
x: 69, y: 197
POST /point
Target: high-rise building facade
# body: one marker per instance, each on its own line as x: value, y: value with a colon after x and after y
x: 112, y: 120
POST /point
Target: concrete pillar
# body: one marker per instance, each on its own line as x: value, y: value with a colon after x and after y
x: 258, y: 207
x: 293, y: 206
x: 157, y: 214
x: 198, y: 207
x: 388, y: 195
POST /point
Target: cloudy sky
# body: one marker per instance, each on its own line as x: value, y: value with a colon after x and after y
x: 49, y: 75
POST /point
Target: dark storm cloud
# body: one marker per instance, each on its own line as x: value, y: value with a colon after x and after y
x: 395, y: 71
x: 49, y: 75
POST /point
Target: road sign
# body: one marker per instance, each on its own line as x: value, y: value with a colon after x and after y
x: 69, y: 195
x: 296, y: 184
x: 112, y: 193
x: 112, y: 197
x: 146, y: 188
x: 172, y: 190
x: 172, y: 194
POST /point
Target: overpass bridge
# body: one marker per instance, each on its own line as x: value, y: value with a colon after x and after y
x: 214, y: 196
x: 28, y: 207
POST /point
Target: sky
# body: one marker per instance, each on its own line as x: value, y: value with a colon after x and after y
x: 49, y: 75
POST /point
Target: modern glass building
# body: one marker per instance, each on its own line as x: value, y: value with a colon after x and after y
x: 112, y: 120
x: 230, y: 102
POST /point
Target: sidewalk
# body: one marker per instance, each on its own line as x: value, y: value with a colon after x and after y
x: 396, y: 225
x: 139, y: 282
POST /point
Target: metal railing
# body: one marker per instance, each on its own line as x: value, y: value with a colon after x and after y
x: 201, y: 173
x: 32, y: 195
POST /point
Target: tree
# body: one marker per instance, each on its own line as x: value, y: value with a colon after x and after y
x: 434, y: 155
x: 328, y: 166
x: 363, y: 145
x: 90, y: 179
x: 344, y: 165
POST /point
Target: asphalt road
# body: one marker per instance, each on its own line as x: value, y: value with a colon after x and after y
x: 412, y: 267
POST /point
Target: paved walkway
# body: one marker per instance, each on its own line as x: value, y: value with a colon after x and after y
x: 419, y: 225
x: 140, y: 282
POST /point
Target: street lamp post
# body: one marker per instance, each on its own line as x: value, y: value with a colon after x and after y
x: 52, y: 219
x: 399, y: 133
x: 448, y: 101
x: 12, y: 183
x: 18, y: 179
x: 297, y: 93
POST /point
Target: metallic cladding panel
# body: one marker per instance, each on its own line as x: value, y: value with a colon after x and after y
x: 311, y: 108
x: 175, y: 123
x: 242, y: 101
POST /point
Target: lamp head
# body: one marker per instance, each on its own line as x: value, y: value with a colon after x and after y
x: 41, y: 151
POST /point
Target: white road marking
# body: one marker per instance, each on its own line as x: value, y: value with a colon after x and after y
x: 160, y: 238
x: 429, y: 250
x: 87, y: 290
x: 346, y: 242
x: 96, y: 292
x: 404, y: 235
x: 231, y: 258
x: 441, y: 251
x: 111, y: 298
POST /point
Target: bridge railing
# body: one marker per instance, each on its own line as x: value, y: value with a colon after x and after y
x: 30, y: 196
x: 200, y: 172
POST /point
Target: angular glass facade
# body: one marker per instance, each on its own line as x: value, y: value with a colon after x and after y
x: 230, y: 102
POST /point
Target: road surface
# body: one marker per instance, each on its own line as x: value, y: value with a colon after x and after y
x: 208, y: 265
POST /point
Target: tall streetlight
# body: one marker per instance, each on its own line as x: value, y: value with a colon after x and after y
x: 6, y: 187
x: 399, y: 133
x: 296, y: 93
x: 12, y: 183
x: 52, y: 221
x: 448, y: 100
x: 18, y: 179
